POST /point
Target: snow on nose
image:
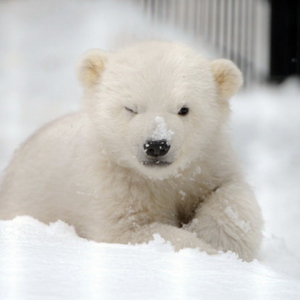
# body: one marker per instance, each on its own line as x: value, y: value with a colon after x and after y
x: 161, y: 131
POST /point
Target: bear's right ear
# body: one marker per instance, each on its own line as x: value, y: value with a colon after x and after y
x: 90, y: 67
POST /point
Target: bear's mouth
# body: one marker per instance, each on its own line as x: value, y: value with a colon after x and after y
x: 156, y: 163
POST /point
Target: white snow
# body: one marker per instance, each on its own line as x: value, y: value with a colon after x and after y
x: 50, y: 262
x: 243, y: 225
x: 266, y: 128
x: 183, y: 195
x: 161, y: 131
x: 40, y: 42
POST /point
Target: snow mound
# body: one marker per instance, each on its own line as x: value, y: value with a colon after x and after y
x: 51, y: 262
x: 266, y: 134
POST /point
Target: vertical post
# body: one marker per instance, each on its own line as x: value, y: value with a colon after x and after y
x: 285, y: 36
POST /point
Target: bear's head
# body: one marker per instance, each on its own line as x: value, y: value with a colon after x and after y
x: 156, y: 106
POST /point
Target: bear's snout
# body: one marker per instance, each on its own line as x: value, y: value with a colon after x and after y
x: 156, y: 148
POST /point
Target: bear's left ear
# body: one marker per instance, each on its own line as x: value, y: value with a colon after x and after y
x: 227, y: 76
x: 90, y: 67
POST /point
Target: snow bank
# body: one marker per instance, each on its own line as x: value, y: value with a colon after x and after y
x: 266, y: 126
x: 51, y: 262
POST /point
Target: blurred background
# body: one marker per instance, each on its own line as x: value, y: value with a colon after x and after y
x: 41, y: 41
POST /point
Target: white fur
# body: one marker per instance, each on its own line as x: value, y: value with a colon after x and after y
x: 89, y: 168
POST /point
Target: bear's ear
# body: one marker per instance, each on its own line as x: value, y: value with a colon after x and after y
x: 228, y: 77
x: 90, y: 67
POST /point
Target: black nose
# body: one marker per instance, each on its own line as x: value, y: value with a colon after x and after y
x: 156, y: 148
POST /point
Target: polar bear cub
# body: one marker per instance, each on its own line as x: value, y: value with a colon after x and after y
x: 147, y: 153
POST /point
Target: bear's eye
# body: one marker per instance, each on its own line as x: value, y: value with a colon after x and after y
x: 183, y: 111
x: 130, y: 110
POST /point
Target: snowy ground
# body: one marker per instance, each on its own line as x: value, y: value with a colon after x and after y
x: 40, y: 42
x: 51, y: 262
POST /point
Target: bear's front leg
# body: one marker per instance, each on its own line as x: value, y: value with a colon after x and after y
x: 230, y: 219
x: 178, y: 237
